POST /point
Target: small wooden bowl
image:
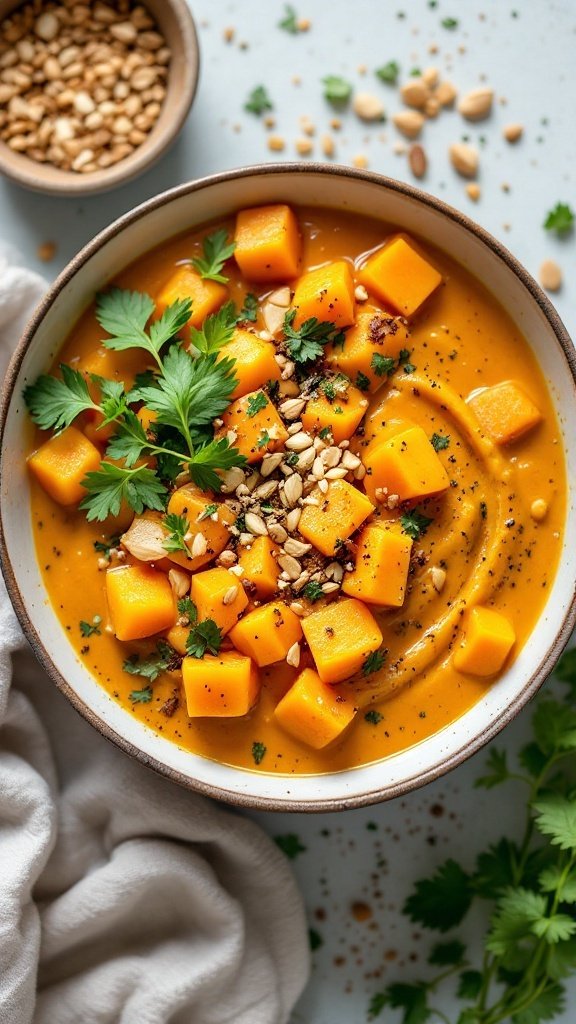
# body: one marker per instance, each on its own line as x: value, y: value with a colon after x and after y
x: 176, y: 24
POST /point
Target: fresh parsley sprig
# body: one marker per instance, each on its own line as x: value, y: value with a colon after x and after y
x: 530, y: 885
x: 217, y: 330
x: 124, y: 315
x: 306, y: 343
x: 216, y: 249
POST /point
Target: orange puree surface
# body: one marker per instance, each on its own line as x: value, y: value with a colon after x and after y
x: 482, y: 533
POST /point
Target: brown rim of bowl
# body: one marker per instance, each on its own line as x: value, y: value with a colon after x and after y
x: 29, y: 174
x: 241, y: 799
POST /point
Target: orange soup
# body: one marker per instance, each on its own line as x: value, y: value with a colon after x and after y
x: 298, y: 490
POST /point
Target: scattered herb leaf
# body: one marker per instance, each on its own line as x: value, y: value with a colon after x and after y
x: 258, y: 751
x: 205, y: 636
x: 388, y: 72
x: 374, y: 717
x: 414, y: 523
x: 373, y: 662
x: 440, y: 442
x: 216, y: 249
x: 290, y: 845
x: 336, y: 90
x: 258, y: 101
x: 91, y: 628
x: 256, y: 403
x: 560, y: 219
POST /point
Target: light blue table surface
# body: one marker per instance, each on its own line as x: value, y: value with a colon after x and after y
x: 525, y: 51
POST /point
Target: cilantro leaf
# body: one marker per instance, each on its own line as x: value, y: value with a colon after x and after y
x: 313, y: 591
x: 336, y: 90
x: 290, y: 845
x: 208, y: 512
x: 362, y: 381
x: 373, y: 662
x: 383, y: 366
x: 497, y: 764
x: 143, y: 696
x: 556, y: 817
x: 469, y: 984
x: 449, y: 23
x: 178, y: 528
x: 124, y: 315
x: 91, y: 628
x: 554, y: 727
x: 150, y: 668
x: 217, y: 330
x: 54, y: 403
x: 388, y: 72
x: 412, y: 999
x: 249, y: 310
x: 556, y: 928
x: 516, y: 912
x: 258, y: 751
x: 130, y: 440
x: 204, y: 636
x: 445, y: 954
x: 547, y: 1005
x: 496, y: 869
x: 290, y: 20
x: 415, y: 524
x: 442, y: 901
x: 110, y: 485
x: 440, y: 442
x: 216, y: 249
x: 552, y: 879
x: 190, y: 392
x: 208, y: 458
x: 187, y: 609
x: 560, y: 219
x: 256, y: 403
x: 306, y: 342
x: 258, y: 101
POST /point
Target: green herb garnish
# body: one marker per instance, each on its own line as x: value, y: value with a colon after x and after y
x: 560, y: 219
x: 217, y: 330
x: 290, y: 845
x: 204, y: 636
x: 263, y: 440
x: 258, y: 101
x: 415, y: 524
x: 216, y: 249
x: 383, y: 366
x: 374, y: 717
x: 208, y: 512
x: 91, y: 628
x: 313, y: 591
x: 388, y: 72
x: 440, y: 442
x: 324, y: 433
x: 450, y: 23
x: 143, y: 696
x: 373, y: 662
x: 150, y: 668
x: 249, y: 310
x: 336, y: 90
x: 258, y: 751
x: 256, y: 403
x: 529, y: 944
x: 362, y: 381
x: 315, y: 939
x: 187, y: 609
x: 290, y: 20
x: 306, y: 343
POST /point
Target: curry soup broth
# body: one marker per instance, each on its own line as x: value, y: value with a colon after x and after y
x: 492, y: 551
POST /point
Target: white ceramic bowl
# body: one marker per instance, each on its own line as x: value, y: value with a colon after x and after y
x: 169, y: 214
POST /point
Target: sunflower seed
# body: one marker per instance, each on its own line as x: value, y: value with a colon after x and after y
x: 296, y: 547
x: 277, y: 532
x: 350, y: 461
x: 292, y: 408
x: 299, y: 442
x: 334, y: 571
x: 266, y: 490
x: 230, y: 595
x: 270, y: 463
x: 293, y: 655
x: 318, y: 468
x: 256, y: 525
x: 330, y: 588
x: 231, y: 479
x: 227, y: 558
x: 293, y: 489
x: 292, y: 519
x: 199, y: 545
x: 331, y: 456
x: 290, y: 565
x: 179, y: 581
x: 438, y: 578
x: 305, y: 461
x: 338, y: 473
x: 323, y: 486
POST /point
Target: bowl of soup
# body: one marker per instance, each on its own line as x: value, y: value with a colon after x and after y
x: 286, y: 462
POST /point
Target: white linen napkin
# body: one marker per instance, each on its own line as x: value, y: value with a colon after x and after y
x: 123, y: 898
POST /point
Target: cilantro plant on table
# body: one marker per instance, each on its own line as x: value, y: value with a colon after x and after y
x: 185, y: 388
x: 528, y: 885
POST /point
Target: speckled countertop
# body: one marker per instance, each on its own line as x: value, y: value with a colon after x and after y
x: 356, y: 868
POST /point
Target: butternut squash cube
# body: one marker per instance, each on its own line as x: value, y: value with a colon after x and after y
x: 61, y: 463
x: 267, y: 633
x: 260, y: 566
x: 255, y: 362
x: 382, y: 563
x: 312, y: 712
x: 342, y: 415
x: 405, y: 464
x: 268, y: 243
x: 488, y: 640
x: 338, y: 514
x: 218, y: 595
x: 140, y: 601
x: 326, y: 293
x: 400, y: 276
x: 198, y: 508
x: 375, y: 333
x: 340, y: 637
x: 504, y: 411
x: 185, y: 283
x: 221, y: 686
x: 258, y: 427
x: 177, y: 637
